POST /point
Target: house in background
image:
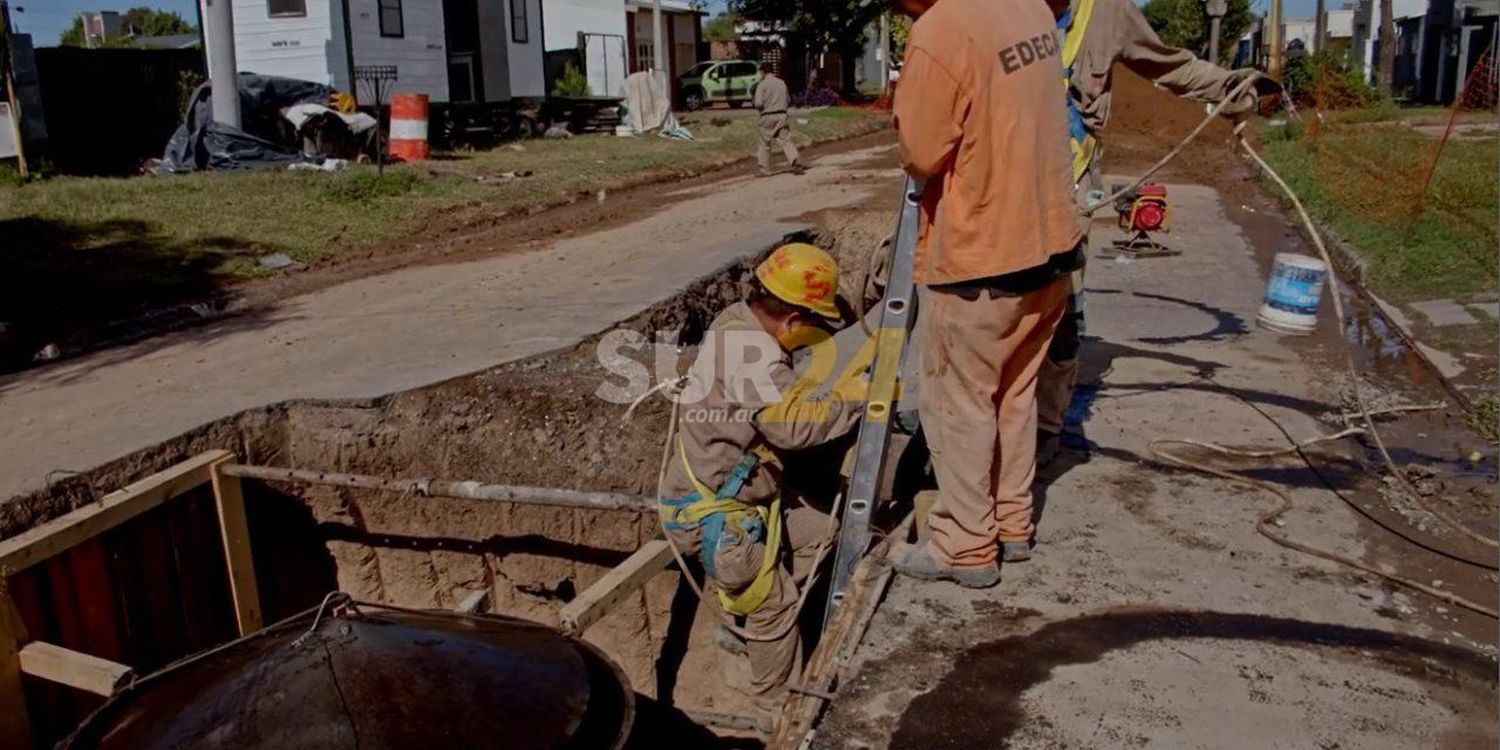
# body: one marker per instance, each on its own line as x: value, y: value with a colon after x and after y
x: 592, y: 35
x: 1338, y: 35
x: 100, y: 27
x: 166, y: 41
x: 454, y: 51
x: 1439, y: 42
x: 681, y: 25
x: 610, y: 39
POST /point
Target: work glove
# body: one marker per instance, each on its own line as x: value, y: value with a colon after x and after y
x: 1248, y: 102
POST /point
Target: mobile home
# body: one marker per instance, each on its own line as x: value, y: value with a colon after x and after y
x: 454, y: 51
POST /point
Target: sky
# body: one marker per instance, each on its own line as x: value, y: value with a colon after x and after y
x: 46, y: 20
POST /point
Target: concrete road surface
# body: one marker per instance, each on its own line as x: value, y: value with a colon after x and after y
x: 399, y: 330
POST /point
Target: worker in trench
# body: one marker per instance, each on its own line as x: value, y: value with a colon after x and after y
x: 741, y: 410
x: 771, y: 100
x: 980, y: 118
x: 1096, y: 34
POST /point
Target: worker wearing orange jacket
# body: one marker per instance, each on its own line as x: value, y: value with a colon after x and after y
x: 980, y: 118
x: 1096, y: 35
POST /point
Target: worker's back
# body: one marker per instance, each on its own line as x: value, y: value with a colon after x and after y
x: 771, y: 95
x: 980, y: 109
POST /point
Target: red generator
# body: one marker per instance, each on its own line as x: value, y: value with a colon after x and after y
x: 1143, y: 212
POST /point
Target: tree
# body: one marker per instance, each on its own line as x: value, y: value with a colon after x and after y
x: 835, y: 25
x: 1386, y: 63
x: 138, y: 21
x: 143, y: 21
x: 1184, y: 23
x: 721, y: 28
x: 900, y: 30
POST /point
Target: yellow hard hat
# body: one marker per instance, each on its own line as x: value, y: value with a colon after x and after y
x: 802, y: 275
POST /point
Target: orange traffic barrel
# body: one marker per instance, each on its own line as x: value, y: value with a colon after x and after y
x: 409, y: 127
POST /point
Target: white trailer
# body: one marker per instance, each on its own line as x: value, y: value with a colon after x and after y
x: 454, y: 51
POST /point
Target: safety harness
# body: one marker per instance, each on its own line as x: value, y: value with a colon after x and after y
x: 712, y: 511
x: 1074, y: 24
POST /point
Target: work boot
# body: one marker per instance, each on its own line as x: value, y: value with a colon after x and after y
x: 725, y: 639
x: 920, y: 564
x: 1047, y: 443
x: 1015, y: 551
x: 797, y: 168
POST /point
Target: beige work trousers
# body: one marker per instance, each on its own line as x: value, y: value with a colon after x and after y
x: 1055, y: 384
x: 774, y: 129
x: 978, y: 407
x: 738, y: 560
x: 1059, y: 373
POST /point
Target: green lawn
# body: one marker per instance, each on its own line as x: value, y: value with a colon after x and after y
x: 83, y: 251
x: 1364, y: 182
x: 311, y: 215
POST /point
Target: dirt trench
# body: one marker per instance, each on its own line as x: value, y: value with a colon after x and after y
x: 535, y: 422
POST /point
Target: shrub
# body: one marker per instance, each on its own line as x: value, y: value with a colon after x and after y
x: 817, y: 96
x: 1328, y: 81
x: 572, y: 82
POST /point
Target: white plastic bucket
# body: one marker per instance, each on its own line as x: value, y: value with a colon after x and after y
x: 1293, y: 294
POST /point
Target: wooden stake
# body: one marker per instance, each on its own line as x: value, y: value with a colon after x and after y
x: 235, y: 528
x: 15, y: 722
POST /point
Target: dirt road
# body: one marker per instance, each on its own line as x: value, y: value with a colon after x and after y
x: 402, y: 329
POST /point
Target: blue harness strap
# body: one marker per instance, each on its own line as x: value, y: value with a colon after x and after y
x: 711, y: 525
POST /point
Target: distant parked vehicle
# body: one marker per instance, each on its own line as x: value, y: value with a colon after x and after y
x: 729, y: 81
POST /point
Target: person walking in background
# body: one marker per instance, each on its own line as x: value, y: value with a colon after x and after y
x: 771, y: 99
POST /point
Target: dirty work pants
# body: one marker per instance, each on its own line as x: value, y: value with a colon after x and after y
x: 1059, y: 372
x: 978, y: 410
x: 773, y: 662
x: 774, y: 129
x: 1054, y: 388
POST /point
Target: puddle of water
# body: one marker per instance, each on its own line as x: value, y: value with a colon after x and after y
x: 1379, y: 349
x: 978, y: 703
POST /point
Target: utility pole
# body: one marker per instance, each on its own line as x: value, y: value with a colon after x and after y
x: 1277, y: 47
x: 1320, y: 26
x: 658, y: 44
x: 885, y: 51
x: 1216, y: 10
x: 223, y: 72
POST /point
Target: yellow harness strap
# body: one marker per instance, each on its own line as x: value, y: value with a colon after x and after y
x: 751, y: 597
x: 1083, y: 151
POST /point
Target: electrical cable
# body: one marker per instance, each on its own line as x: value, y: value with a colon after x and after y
x: 1350, y: 363
x: 1269, y: 518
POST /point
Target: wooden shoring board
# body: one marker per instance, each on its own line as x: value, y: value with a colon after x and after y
x: 64, y: 532
x: 229, y: 499
x: 625, y: 579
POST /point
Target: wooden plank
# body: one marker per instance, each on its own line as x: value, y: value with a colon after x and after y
x: 15, y: 720
x: 74, y: 669
x: 597, y: 600
x: 235, y: 529
x: 61, y: 533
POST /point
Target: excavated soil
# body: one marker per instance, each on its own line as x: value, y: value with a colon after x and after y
x: 1146, y: 120
x: 536, y: 422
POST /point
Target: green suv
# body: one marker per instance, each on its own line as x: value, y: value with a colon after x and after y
x: 729, y: 81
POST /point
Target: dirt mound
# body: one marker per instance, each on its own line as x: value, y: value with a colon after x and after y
x: 1146, y: 122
